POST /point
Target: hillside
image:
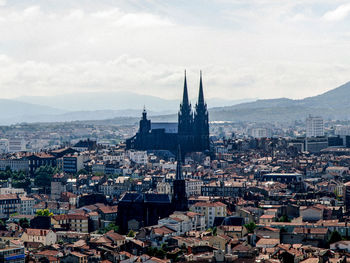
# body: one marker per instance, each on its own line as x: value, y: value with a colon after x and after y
x: 334, y: 104
x: 14, y: 111
x: 116, y: 101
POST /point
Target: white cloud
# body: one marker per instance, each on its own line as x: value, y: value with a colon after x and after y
x: 293, y: 79
x: 245, y: 48
x: 340, y: 13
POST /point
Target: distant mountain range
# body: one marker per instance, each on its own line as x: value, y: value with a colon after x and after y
x: 89, y: 106
x: 114, y: 107
x: 93, y: 101
x: 334, y: 104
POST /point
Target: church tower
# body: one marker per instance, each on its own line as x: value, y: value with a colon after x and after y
x: 179, y: 202
x: 145, y: 125
x: 185, y: 122
x: 201, y: 121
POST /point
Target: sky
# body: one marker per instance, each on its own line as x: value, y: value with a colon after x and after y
x: 245, y: 48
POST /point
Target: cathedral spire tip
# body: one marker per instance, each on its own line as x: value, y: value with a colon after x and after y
x: 185, y: 100
x: 200, y: 95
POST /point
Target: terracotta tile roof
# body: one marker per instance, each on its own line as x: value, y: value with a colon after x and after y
x: 271, y: 229
x: 77, y: 254
x: 37, y: 232
x: 192, y: 214
x: 163, y: 230
x: 231, y: 228
x: 267, y: 216
x: 69, y: 194
x: 114, y: 236
x: 157, y: 260
x: 48, y: 253
x: 209, y: 204
x: 43, y: 155
x: 8, y: 196
x: 26, y: 198
x: 310, y: 260
x: 268, y: 241
x: 108, y: 209
x: 302, y: 230
x: 241, y: 247
x: 100, y: 240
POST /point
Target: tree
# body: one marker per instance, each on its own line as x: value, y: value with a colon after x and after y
x: 82, y: 171
x: 110, y: 227
x: 44, y: 212
x: 43, y: 176
x: 5, y: 175
x: 284, y: 219
x: 160, y: 253
x: 131, y: 233
x: 155, y: 252
x: 21, y: 183
x: 335, y: 237
x: 250, y: 227
x: 24, y: 222
x: 215, y: 231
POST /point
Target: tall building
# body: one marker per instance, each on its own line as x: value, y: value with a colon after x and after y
x: 58, y: 186
x: 16, y: 145
x: 314, y: 126
x: 179, y: 200
x: 192, y: 133
x: 342, y: 130
x: 260, y: 132
x: 4, y: 145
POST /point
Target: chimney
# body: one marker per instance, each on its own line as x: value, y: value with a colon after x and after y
x: 189, y: 248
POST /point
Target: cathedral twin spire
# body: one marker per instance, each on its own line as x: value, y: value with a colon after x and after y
x: 186, y: 117
x: 186, y: 105
x: 185, y: 100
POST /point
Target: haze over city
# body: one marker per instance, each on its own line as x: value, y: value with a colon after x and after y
x: 246, y: 49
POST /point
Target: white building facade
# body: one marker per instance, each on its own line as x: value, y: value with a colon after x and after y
x: 314, y: 126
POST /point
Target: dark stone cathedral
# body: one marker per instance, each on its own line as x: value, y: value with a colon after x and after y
x: 136, y: 210
x: 191, y: 132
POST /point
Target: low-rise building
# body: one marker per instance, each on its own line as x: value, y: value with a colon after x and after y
x: 44, y: 236
x: 9, y: 204
x: 210, y: 210
x: 11, y: 254
x: 27, y: 204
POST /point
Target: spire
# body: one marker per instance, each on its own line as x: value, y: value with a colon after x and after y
x: 144, y: 113
x: 201, y: 94
x: 178, y: 165
x: 185, y: 101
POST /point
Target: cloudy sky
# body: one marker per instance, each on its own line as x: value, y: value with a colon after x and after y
x: 246, y: 48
